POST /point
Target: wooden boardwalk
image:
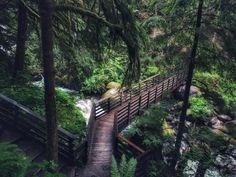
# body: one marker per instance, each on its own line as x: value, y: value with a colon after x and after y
x: 100, y: 149
x: 20, y: 126
x: 107, y: 126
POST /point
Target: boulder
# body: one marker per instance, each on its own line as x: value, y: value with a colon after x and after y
x: 110, y: 93
x: 226, y: 161
x: 215, y: 123
x: 231, y: 126
x: 112, y: 85
x: 179, y: 92
x: 224, y: 118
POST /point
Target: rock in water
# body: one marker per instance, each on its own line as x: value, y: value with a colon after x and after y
x: 231, y: 126
x: 224, y: 118
x: 179, y: 92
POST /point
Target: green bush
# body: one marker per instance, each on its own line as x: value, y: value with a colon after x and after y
x: 126, y: 168
x: 112, y: 70
x: 150, y: 127
x: 200, y: 108
x: 69, y: 117
x: 149, y: 71
x: 222, y: 91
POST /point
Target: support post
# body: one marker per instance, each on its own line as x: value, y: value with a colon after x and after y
x: 139, y: 104
x: 162, y: 90
x: 128, y: 113
x: 148, y: 98
x: 156, y: 94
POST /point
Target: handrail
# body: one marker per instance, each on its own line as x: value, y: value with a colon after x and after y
x: 125, y: 114
x: 103, y: 106
x: 33, y: 125
x: 122, y: 138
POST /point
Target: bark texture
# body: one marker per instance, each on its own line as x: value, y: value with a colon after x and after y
x: 21, y: 39
x: 46, y: 12
x: 191, y: 67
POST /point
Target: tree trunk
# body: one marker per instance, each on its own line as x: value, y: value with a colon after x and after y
x: 181, y: 125
x: 21, y: 39
x: 46, y: 9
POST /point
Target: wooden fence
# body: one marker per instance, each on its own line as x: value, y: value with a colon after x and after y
x: 104, y: 106
x: 32, y: 125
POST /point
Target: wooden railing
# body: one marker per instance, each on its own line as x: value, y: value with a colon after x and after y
x: 32, y: 125
x: 124, y: 116
x: 104, y: 106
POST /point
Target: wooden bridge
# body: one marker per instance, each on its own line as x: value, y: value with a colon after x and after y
x: 109, y: 117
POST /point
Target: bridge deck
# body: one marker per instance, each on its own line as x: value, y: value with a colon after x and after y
x: 100, y: 148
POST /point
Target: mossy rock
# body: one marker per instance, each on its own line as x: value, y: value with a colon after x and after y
x: 110, y: 93
x: 167, y: 130
x: 112, y: 85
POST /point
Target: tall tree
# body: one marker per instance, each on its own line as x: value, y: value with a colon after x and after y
x: 21, y: 39
x: 191, y: 67
x: 46, y: 11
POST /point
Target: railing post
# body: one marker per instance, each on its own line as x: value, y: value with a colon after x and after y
x: 162, y: 89
x: 108, y: 104
x: 156, y: 94
x: 128, y: 113
x: 139, y: 88
x: 130, y: 94
x: 173, y: 81
x: 177, y: 79
x: 139, y: 104
x: 146, y: 85
x: 168, y: 84
x: 148, y: 98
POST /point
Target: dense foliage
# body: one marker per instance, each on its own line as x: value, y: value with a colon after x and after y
x: 97, y: 42
x: 69, y: 117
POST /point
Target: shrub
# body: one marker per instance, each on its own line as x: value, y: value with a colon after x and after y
x: 200, y: 108
x: 111, y: 70
x: 151, y: 127
x: 219, y: 89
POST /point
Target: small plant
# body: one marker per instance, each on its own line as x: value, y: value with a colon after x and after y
x: 126, y: 168
x: 151, y: 127
x: 200, y: 108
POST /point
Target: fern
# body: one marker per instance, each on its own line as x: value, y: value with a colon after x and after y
x: 125, y: 169
x: 13, y: 162
x: 114, y: 167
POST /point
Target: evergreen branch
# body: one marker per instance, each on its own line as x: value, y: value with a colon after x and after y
x: 88, y: 13
x: 30, y: 10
